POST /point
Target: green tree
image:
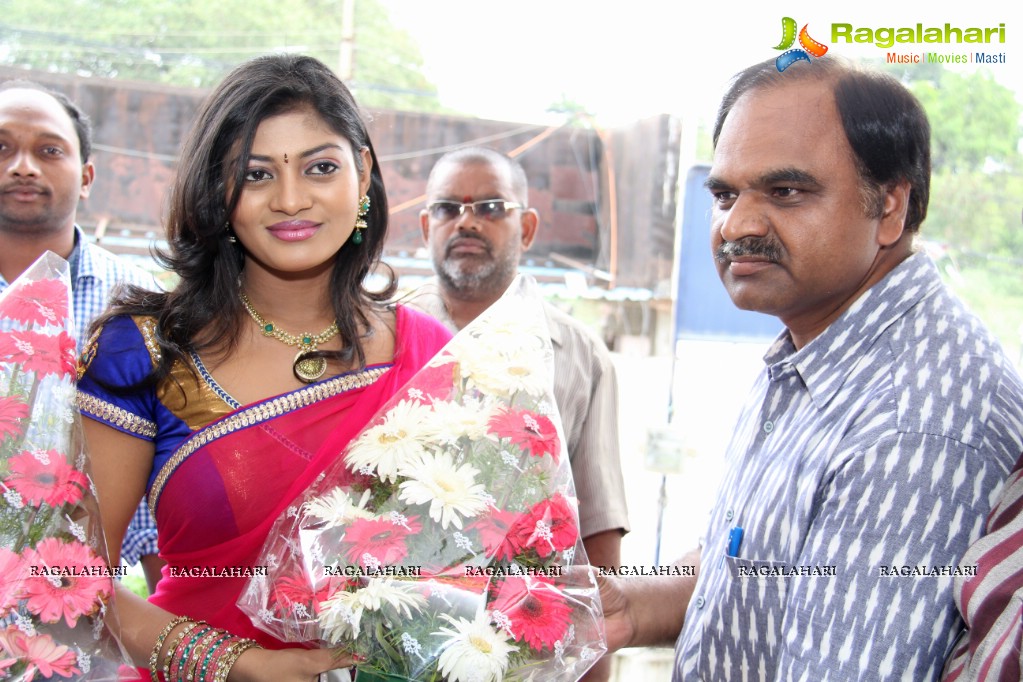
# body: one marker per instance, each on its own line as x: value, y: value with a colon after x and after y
x: 974, y: 120
x: 976, y: 192
x: 195, y: 43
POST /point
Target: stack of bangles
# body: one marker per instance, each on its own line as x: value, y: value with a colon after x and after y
x: 198, y: 653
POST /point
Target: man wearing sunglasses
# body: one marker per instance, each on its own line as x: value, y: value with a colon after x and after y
x: 476, y: 225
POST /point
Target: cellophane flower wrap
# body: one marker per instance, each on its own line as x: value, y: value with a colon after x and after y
x: 55, y: 584
x: 440, y: 545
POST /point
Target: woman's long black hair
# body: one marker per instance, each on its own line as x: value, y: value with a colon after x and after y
x: 204, y: 310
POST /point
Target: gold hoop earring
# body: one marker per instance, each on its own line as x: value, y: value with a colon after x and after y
x: 360, y: 220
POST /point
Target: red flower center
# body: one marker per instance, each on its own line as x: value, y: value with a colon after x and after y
x: 532, y: 606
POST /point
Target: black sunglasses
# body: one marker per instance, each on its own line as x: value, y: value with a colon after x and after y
x: 487, y: 209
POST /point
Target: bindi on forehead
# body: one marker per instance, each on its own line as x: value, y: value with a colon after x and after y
x: 467, y: 199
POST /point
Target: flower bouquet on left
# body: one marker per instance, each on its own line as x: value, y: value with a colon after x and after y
x: 55, y: 584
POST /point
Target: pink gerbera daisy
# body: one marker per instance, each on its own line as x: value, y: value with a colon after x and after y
x: 45, y: 476
x: 12, y: 411
x: 381, y: 538
x: 44, y: 354
x: 437, y: 379
x: 41, y: 302
x: 532, y: 432
x: 77, y: 581
x: 11, y: 567
x: 40, y: 652
x: 531, y: 608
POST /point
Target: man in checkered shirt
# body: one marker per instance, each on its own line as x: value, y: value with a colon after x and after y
x: 45, y: 170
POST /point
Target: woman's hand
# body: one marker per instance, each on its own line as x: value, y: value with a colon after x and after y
x: 287, y: 665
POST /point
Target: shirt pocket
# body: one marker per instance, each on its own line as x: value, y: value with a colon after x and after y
x: 746, y: 618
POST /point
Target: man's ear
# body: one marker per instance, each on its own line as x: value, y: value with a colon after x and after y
x: 88, y: 175
x: 530, y: 222
x: 893, y: 217
x: 424, y: 226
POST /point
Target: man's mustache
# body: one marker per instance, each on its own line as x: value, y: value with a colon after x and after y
x: 462, y: 239
x: 756, y: 247
x: 21, y: 186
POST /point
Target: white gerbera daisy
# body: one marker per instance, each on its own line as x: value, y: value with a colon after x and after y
x: 400, y: 439
x: 512, y: 324
x: 449, y: 489
x: 474, y: 651
x: 470, y: 419
x: 521, y: 370
x: 337, y: 509
x: 341, y: 614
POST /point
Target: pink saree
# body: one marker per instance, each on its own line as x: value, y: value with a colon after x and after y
x: 216, y: 498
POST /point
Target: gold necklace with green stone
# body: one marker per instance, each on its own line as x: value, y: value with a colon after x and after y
x: 306, y: 368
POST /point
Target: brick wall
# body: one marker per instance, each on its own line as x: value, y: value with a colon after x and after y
x: 138, y: 128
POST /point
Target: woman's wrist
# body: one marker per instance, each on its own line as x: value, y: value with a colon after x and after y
x: 194, y: 651
x: 157, y: 655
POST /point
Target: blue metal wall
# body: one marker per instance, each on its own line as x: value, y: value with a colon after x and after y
x: 703, y: 309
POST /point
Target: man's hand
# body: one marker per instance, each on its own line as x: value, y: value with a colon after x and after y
x: 619, y: 624
x: 647, y: 610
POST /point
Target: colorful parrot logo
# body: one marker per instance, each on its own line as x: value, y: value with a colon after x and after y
x: 788, y: 37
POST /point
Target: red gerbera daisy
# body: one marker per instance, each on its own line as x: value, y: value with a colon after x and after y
x: 76, y: 581
x: 549, y: 527
x: 12, y: 411
x: 45, y: 476
x: 43, y: 302
x: 532, y: 432
x: 44, y: 354
x: 40, y: 652
x: 296, y: 589
x: 380, y: 538
x: 496, y: 534
x: 531, y: 608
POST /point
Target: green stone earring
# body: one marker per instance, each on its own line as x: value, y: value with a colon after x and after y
x: 360, y: 220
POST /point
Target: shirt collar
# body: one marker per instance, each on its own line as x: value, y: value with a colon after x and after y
x: 553, y: 328
x: 83, y: 264
x: 825, y: 362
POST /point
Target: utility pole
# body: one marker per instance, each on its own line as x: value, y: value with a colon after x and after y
x: 346, y: 53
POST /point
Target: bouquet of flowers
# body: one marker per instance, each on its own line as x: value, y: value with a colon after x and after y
x: 440, y: 545
x: 55, y: 585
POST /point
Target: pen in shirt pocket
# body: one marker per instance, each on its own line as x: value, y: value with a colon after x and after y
x: 734, y: 541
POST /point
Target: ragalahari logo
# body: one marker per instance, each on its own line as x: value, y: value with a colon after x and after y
x: 788, y: 37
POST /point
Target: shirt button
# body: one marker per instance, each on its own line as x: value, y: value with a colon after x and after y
x: 729, y: 514
x: 699, y: 602
x: 768, y: 426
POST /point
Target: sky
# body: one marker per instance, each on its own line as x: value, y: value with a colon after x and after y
x: 626, y: 61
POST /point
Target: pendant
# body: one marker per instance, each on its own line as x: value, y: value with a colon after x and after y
x: 309, y: 369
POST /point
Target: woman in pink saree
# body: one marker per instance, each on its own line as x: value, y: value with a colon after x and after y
x: 221, y: 400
